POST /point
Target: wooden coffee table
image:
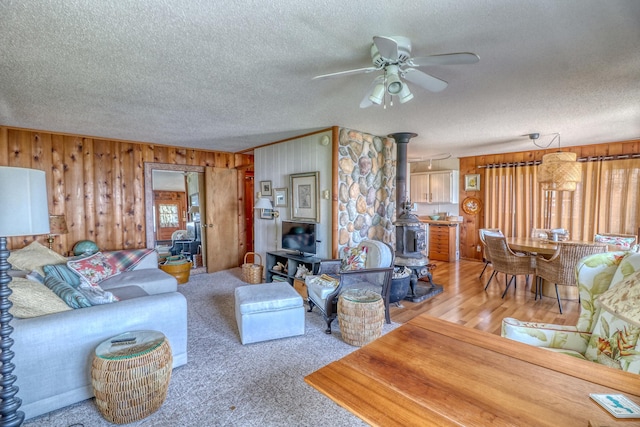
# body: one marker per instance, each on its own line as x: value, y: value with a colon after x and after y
x: 433, y: 372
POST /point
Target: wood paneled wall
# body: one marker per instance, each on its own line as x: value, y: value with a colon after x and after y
x: 469, y: 239
x: 98, y: 184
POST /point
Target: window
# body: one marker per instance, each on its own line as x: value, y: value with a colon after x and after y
x: 168, y: 215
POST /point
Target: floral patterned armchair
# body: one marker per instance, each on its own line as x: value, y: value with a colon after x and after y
x: 598, y: 336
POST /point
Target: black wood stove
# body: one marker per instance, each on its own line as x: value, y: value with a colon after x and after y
x: 410, y: 232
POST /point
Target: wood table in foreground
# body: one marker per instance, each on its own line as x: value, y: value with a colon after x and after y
x: 431, y: 372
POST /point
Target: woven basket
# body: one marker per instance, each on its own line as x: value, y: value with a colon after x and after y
x: 129, y: 389
x: 360, y: 316
x: 181, y: 272
x: 252, y: 273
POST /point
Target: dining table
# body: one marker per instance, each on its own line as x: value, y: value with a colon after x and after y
x: 542, y: 247
x: 431, y: 372
x: 546, y: 249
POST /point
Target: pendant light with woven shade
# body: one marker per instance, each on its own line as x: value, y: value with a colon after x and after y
x: 558, y: 171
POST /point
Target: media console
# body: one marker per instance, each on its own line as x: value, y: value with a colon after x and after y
x: 291, y: 261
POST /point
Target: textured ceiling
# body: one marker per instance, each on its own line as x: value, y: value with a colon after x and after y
x: 232, y: 75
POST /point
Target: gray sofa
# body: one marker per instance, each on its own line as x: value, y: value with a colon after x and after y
x: 53, y: 353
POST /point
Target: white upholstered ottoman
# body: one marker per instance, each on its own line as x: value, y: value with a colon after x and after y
x: 268, y: 311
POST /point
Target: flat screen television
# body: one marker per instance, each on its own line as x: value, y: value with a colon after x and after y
x: 299, y: 237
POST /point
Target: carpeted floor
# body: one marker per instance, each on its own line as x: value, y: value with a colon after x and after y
x: 228, y: 384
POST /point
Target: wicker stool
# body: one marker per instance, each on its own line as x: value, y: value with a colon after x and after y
x: 130, y: 375
x: 360, y: 316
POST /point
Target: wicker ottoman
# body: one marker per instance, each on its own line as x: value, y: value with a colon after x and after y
x: 130, y: 375
x: 268, y: 311
x: 360, y: 316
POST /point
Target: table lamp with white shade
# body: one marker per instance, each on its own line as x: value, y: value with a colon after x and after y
x: 264, y: 203
x: 23, y: 212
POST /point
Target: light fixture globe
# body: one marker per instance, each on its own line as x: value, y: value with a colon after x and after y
x: 394, y: 84
x: 377, y: 95
x: 405, y: 95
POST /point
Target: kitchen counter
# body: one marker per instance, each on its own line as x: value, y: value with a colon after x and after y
x: 427, y: 220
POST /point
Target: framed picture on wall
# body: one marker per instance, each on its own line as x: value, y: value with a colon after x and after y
x: 305, y: 196
x: 280, y: 197
x: 472, y: 182
x: 265, y: 188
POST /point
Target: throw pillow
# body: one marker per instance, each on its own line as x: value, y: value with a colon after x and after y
x: 95, y: 268
x: 354, y: 258
x: 614, y: 337
x: 33, y: 257
x: 623, y: 242
x: 95, y: 294
x: 62, y: 272
x: 33, y: 299
x: 66, y: 292
x: 612, y: 342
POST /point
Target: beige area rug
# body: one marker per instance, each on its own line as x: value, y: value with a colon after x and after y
x: 228, y: 384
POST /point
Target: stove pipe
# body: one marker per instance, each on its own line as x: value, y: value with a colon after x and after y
x: 410, y: 234
x: 402, y: 139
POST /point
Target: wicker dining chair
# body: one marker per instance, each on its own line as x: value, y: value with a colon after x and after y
x: 506, y: 261
x: 560, y: 269
x: 485, y: 257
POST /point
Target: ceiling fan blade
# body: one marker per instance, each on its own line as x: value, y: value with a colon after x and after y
x: 424, y: 80
x: 366, y: 101
x: 346, y: 73
x: 445, y: 59
x: 387, y: 47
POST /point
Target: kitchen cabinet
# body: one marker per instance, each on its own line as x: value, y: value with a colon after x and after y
x: 442, y: 242
x: 435, y: 187
x: 419, y: 188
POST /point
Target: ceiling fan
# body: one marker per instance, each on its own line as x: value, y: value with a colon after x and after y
x: 392, y: 55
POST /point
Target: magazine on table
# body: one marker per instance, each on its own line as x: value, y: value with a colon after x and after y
x: 617, y: 404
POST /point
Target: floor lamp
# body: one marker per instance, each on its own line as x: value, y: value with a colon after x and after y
x: 23, y: 212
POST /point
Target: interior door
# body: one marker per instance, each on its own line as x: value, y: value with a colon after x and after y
x: 221, y: 225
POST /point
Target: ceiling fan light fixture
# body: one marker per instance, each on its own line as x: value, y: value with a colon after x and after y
x: 405, y: 94
x: 377, y: 95
x: 394, y: 88
x: 394, y: 84
x: 392, y: 56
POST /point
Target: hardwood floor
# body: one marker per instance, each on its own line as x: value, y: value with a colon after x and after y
x: 464, y: 300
